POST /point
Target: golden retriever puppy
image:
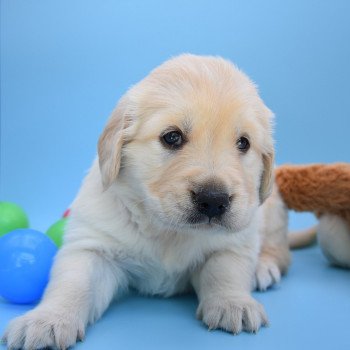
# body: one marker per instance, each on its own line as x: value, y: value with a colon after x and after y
x: 174, y: 202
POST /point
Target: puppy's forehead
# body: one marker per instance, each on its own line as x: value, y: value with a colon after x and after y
x: 201, y: 116
x: 197, y: 116
x: 206, y: 82
x: 196, y: 93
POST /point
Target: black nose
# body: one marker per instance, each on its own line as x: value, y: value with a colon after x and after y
x: 211, y: 202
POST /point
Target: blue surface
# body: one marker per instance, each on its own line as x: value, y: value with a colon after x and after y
x: 64, y: 64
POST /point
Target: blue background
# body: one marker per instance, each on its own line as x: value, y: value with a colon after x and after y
x: 64, y: 65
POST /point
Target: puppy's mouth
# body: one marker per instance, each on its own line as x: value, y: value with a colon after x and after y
x: 200, y: 221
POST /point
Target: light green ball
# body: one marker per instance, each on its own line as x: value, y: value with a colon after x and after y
x: 56, y: 231
x: 12, y: 217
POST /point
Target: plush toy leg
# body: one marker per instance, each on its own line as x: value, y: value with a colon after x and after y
x: 334, y: 238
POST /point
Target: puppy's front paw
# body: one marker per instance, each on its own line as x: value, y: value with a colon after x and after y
x: 267, y: 274
x: 43, y: 328
x: 232, y: 314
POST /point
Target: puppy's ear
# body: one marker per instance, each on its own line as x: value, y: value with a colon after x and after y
x: 267, y: 177
x: 110, y: 144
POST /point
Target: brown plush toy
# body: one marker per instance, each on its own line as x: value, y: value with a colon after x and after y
x: 324, y: 190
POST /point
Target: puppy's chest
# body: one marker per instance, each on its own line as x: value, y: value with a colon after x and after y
x: 163, y: 268
x: 150, y: 276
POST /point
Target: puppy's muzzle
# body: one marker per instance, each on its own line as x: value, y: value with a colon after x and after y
x: 211, y: 201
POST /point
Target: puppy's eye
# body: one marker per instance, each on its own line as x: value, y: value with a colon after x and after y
x: 243, y: 144
x: 173, y: 139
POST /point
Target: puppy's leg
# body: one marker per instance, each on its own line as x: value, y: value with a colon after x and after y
x: 81, y: 287
x: 274, y: 256
x: 223, y: 288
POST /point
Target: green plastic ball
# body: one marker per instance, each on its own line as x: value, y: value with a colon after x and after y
x: 12, y: 217
x: 56, y: 231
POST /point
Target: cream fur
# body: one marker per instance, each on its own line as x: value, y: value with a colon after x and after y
x: 128, y: 227
x: 334, y: 237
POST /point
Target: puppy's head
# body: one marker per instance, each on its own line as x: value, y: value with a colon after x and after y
x: 191, y: 145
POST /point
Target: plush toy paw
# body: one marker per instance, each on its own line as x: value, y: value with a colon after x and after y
x: 43, y: 328
x: 234, y: 314
x: 267, y: 274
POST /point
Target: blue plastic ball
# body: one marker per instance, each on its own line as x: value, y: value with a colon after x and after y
x: 26, y: 258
